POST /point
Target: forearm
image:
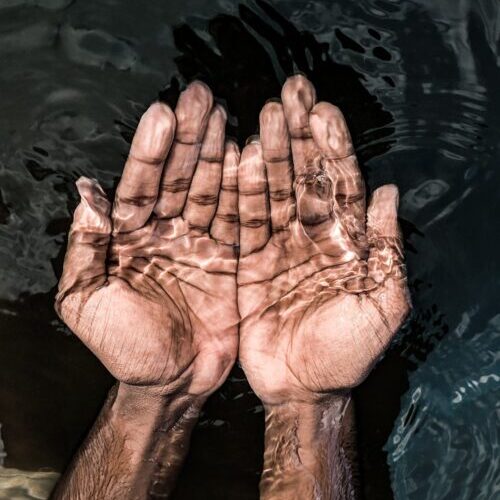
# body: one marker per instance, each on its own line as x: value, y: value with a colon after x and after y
x: 135, y: 449
x: 309, y: 451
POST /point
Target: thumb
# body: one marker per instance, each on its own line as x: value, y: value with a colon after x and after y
x: 386, y: 260
x: 85, y: 262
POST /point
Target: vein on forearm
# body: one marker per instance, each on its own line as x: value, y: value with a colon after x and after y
x: 91, y: 474
x: 131, y: 452
x: 169, y: 448
x: 308, y: 453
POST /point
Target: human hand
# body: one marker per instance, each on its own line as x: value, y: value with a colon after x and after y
x: 321, y: 282
x: 150, y: 289
x: 321, y: 290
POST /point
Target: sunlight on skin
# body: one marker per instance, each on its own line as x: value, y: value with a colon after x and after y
x: 330, y: 297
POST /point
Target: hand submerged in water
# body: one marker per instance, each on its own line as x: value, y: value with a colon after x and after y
x: 150, y: 288
x: 321, y: 288
x: 152, y: 291
x: 332, y: 292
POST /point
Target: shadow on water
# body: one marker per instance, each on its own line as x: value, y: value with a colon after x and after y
x: 418, y: 82
x: 250, y: 56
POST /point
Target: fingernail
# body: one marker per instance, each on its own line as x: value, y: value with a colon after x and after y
x: 253, y: 139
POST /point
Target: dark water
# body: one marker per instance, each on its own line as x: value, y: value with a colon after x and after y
x: 419, y: 82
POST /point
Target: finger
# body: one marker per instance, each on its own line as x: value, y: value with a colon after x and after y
x: 192, y: 113
x: 225, y: 226
x: 313, y: 189
x: 382, y: 221
x: 138, y: 188
x: 252, y: 200
x: 331, y: 135
x: 314, y: 194
x: 204, y: 191
x: 299, y: 96
x: 277, y: 158
x: 386, y: 261
x: 85, y: 261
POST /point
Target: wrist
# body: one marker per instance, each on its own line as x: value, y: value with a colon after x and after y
x: 147, y: 415
x: 304, y: 449
x: 156, y: 430
x: 136, y: 447
x: 149, y: 403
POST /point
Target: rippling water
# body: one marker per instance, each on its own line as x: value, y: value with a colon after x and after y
x: 419, y: 82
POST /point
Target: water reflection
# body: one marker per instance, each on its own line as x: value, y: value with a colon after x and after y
x: 418, y: 81
x: 451, y: 417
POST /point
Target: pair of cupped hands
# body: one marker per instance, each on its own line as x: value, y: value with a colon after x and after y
x: 207, y: 255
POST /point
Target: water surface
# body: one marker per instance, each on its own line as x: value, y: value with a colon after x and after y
x: 419, y: 83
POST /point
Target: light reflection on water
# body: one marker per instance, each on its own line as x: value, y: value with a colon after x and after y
x: 419, y: 84
x: 450, y: 419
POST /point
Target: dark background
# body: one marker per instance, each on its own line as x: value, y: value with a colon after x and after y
x: 419, y: 83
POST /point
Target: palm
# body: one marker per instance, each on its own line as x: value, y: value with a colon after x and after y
x: 299, y: 314
x: 158, y: 292
x: 313, y: 296
x: 164, y: 310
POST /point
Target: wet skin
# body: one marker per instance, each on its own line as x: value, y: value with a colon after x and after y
x: 150, y: 287
x: 331, y: 295
x: 154, y: 288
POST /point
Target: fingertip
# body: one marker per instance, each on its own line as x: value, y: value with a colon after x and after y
x: 159, y: 113
x: 231, y: 162
x: 161, y: 109
x: 251, y: 169
x: 201, y: 91
x: 274, y: 99
x: 199, y: 96
x: 91, y: 191
x: 84, y: 183
x: 330, y: 131
x: 298, y: 96
x: 387, y: 195
x: 231, y: 144
x: 231, y: 150
x: 326, y: 107
x: 154, y: 134
x: 253, y: 139
x: 193, y: 111
x: 212, y: 148
x: 252, y: 150
x: 216, y: 124
x: 219, y: 111
x: 299, y: 85
x: 274, y: 132
x: 93, y: 211
x: 272, y: 121
x: 85, y: 186
x: 383, y: 211
x: 272, y: 109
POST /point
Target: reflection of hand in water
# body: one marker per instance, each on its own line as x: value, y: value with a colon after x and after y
x: 155, y: 300
x: 321, y: 285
